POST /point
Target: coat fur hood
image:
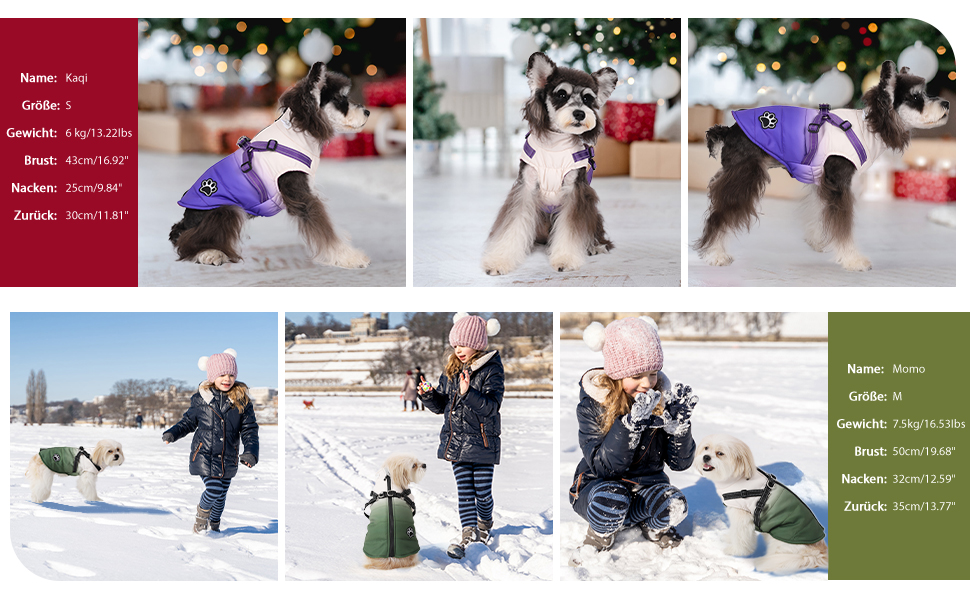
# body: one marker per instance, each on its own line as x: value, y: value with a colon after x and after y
x: 599, y: 392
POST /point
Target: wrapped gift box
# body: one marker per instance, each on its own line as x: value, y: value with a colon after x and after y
x: 350, y: 145
x: 629, y: 121
x: 386, y: 93
x: 655, y: 160
x: 700, y: 118
x: 928, y: 186
x: 612, y: 157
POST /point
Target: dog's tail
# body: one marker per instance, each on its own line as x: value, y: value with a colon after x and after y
x: 715, y: 139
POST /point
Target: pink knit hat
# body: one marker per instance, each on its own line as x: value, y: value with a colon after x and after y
x: 472, y: 331
x: 630, y: 346
x: 220, y: 364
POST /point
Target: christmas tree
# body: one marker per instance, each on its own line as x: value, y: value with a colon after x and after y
x: 429, y: 122
x: 806, y: 48
x: 643, y: 43
x: 359, y: 44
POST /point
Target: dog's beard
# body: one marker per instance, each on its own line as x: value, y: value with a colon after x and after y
x: 932, y: 115
x: 566, y: 122
x: 352, y: 122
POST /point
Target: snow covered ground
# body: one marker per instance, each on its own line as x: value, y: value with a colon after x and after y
x: 333, y: 454
x: 143, y: 528
x: 772, y: 396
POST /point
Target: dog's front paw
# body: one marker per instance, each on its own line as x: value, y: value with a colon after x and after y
x: 718, y: 259
x: 345, y: 257
x: 855, y: 262
x: 494, y: 266
x: 598, y: 249
x: 211, y: 257
x: 566, y: 262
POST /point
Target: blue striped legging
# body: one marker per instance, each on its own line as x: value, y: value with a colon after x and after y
x: 474, y: 492
x: 611, y: 505
x: 214, y: 496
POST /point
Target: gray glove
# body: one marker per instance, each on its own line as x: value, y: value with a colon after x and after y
x: 679, y: 409
x: 168, y: 438
x: 248, y: 459
x: 641, y: 415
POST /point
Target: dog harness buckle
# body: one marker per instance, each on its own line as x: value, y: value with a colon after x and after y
x: 845, y: 126
x: 247, y: 166
x: 814, y: 127
x: 271, y: 145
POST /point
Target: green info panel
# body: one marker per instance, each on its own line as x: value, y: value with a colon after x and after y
x: 898, y: 445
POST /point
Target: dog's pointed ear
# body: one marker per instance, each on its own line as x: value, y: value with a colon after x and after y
x: 318, y: 75
x: 887, y: 77
x: 539, y: 70
x: 606, y: 79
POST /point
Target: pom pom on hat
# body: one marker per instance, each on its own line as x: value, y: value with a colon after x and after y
x: 595, y: 335
x: 472, y: 331
x: 216, y: 365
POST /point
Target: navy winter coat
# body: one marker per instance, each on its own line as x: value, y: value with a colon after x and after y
x: 472, y: 422
x: 621, y: 454
x: 218, y: 427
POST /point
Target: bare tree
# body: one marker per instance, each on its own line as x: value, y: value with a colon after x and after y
x: 31, y: 393
x: 404, y: 356
x: 40, y: 398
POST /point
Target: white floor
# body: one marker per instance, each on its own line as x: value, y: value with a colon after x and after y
x: 365, y: 197
x: 454, y: 211
x: 906, y: 249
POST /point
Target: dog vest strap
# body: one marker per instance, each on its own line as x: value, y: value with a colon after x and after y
x: 406, y: 496
x: 249, y: 147
x: 743, y: 494
x: 77, y: 458
x: 814, y: 127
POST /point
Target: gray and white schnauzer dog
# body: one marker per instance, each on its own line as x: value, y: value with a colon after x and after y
x: 823, y: 148
x: 552, y: 201
x: 274, y: 172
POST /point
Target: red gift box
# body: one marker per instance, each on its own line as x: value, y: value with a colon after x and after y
x: 927, y: 186
x: 629, y: 121
x: 386, y: 93
x: 349, y: 145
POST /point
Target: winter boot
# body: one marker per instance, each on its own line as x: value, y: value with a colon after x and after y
x: 484, y: 531
x: 665, y: 538
x: 215, y: 525
x: 201, y: 520
x: 600, y: 541
x: 468, y: 536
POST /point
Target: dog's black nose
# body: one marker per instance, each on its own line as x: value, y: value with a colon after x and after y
x: 366, y: 113
x: 946, y: 104
x: 579, y: 115
x: 706, y: 458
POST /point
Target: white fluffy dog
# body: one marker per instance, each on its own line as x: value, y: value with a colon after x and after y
x: 755, y: 503
x: 391, y: 541
x: 75, y: 462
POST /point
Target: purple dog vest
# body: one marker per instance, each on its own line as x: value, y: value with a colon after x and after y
x: 233, y: 180
x: 802, y: 138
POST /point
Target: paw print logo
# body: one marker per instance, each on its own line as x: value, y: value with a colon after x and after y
x: 410, y: 532
x: 56, y: 457
x: 768, y: 120
x: 209, y: 187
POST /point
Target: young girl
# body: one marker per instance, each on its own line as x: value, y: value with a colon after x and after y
x: 631, y: 423
x: 470, y: 395
x: 220, y: 414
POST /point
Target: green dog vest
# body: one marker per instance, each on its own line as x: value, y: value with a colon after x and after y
x: 391, y: 532
x: 782, y: 514
x: 60, y: 460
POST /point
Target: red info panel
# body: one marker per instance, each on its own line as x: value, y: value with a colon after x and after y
x: 70, y: 172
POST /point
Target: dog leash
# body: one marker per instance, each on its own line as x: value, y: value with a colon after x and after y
x: 814, y: 127
x: 249, y: 147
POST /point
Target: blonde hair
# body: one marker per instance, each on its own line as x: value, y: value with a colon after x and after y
x: 454, y: 364
x: 618, y: 402
x: 238, y: 393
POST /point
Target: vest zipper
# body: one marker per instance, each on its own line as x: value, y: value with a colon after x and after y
x: 484, y: 439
